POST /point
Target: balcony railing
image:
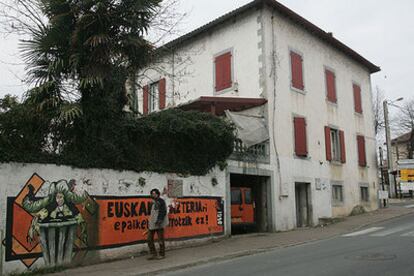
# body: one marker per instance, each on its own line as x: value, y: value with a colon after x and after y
x: 257, y: 153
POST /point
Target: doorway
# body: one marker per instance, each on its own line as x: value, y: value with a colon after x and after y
x: 250, y: 200
x: 303, y: 205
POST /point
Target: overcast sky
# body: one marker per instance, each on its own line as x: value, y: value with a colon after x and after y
x: 380, y: 30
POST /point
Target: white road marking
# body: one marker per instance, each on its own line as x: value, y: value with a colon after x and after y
x: 393, y: 230
x: 408, y: 234
x: 409, y: 206
x: 362, y: 232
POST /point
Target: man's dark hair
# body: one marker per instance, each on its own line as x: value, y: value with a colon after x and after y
x: 156, y: 191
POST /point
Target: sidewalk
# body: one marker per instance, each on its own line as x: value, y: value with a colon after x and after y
x: 235, y: 247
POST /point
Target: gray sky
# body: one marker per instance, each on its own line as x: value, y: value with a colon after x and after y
x: 380, y: 30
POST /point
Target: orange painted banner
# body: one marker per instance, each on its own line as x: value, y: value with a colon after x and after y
x: 119, y: 221
x: 124, y: 221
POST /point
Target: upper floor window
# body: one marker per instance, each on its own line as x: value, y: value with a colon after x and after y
x: 223, y: 71
x: 357, y: 98
x: 335, y: 145
x: 330, y: 86
x: 296, y: 62
x: 154, y: 97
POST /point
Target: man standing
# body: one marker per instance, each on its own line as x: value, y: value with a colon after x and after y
x: 157, y: 222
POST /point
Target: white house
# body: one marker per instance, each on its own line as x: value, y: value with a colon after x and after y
x: 264, y: 62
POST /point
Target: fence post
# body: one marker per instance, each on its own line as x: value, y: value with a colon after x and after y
x: 1, y: 251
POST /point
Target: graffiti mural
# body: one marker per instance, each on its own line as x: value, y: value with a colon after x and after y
x: 57, y: 222
x: 49, y: 226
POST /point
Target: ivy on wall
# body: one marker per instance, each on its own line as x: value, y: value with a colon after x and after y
x: 171, y: 141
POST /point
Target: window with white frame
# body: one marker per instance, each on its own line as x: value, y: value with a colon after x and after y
x: 335, y: 145
x: 153, y: 97
x: 337, y: 194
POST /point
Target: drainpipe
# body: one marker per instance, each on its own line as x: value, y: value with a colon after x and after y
x: 274, y: 76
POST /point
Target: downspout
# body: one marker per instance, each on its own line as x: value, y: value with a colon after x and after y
x: 274, y: 76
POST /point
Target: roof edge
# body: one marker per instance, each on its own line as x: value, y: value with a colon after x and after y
x: 284, y: 11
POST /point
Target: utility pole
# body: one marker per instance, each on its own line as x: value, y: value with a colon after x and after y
x: 389, y: 154
x: 391, y: 178
x: 382, y: 174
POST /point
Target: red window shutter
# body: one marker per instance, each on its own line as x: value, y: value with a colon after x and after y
x: 162, y: 93
x: 328, y: 143
x: 145, y: 99
x: 361, y: 151
x: 223, y: 71
x: 330, y: 86
x: 300, y: 137
x: 357, y: 98
x: 342, y: 143
x: 297, y: 70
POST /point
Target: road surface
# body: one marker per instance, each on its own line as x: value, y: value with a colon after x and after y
x: 382, y: 249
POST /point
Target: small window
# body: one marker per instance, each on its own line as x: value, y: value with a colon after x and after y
x: 248, y: 196
x: 236, y: 196
x: 296, y: 62
x: 337, y: 194
x: 223, y: 71
x: 364, y: 194
x: 330, y: 86
x: 335, y: 146
x: 153, y: 97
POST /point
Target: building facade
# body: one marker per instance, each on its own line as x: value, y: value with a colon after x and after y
x: 401, y: 148
x: 319, y: 159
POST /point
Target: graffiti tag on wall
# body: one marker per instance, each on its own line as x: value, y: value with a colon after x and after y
x: 63, y: 225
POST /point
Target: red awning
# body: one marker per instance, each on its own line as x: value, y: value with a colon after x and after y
x: 217, y: 105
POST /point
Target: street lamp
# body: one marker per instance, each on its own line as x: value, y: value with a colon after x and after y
x: 393, y: 189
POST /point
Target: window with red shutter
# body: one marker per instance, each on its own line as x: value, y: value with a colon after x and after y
x: 361, y: 151
x: 300, y: 137
x: 357, y: 98
x: 328, y: 147
x: 162, y: 93
x: 223, y: 73
x: 342, y: 145
x: 330, y: 86
x: 296, y: 62
x: 145, y: 99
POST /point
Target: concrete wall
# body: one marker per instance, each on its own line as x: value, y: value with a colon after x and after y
x: 100, y: 185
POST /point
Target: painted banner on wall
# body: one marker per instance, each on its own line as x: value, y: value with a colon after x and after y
x: 63, y: 225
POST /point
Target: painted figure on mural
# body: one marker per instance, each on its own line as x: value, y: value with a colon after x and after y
x: 58, y: 206
x: 157, y: 222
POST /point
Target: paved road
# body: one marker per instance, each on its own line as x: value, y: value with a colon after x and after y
x: 382, y: 249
